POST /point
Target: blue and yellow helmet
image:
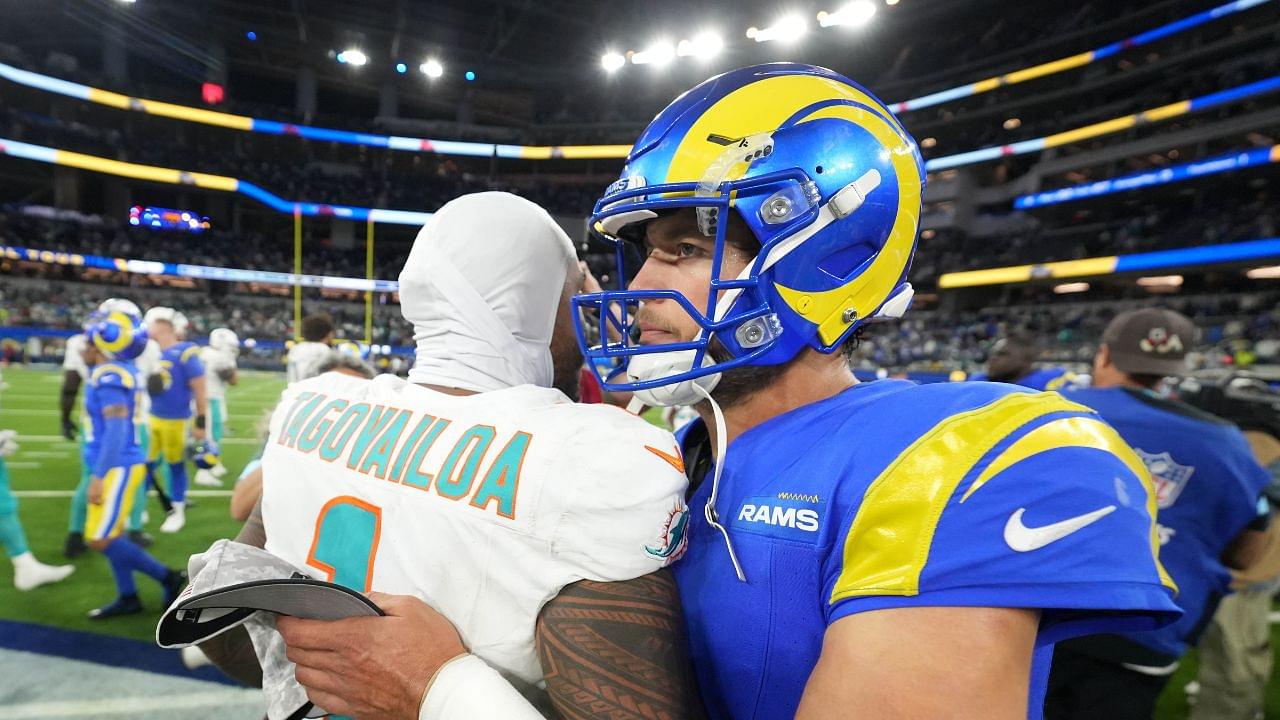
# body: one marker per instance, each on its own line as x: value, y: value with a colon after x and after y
x: 203, y: 453
x: 824, y: 176
x: 120, y: 335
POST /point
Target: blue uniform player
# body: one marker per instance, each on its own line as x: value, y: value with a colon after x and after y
x: 1011, y: 362
x: 117, y: 467
x: 177, y: 392
x: 1209, y: 491
x: 901, y: 550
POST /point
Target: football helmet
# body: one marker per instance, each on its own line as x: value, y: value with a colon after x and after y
x: 203, y: 453
x: 118, y: 334
x: 226, y: 340
x: 826, y: 179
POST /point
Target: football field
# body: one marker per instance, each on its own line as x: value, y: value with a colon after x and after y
x: 55, y: 662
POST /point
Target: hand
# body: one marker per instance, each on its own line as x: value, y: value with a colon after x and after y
x: 69, y: 429
x: 8, y: 442
x: 95, y: 491
x: 373, y: 668
x: 589, y: 282
x: 197, y: 433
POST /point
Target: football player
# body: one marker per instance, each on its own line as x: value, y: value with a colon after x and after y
x: 1011, y: 362
x: 317, y: 333
x: 540, y: 527
x: 1212, y: 515
x: 219, y: 358
x: 845, y: 531
x: 28, y: 572
x: 116, y: 462
x: 175, y: 388
x: 74, y: 374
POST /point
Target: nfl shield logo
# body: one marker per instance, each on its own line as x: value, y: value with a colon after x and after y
x: 1169, y: 477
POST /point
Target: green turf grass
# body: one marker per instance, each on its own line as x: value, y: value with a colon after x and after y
x: 29, y: 405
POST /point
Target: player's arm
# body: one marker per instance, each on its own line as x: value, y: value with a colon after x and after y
x: 609, y: 648
x: 67, y: 401
x: 247, y: 493
x: 1246, y: 549
x: 201, y: 393
x: 925, y: 662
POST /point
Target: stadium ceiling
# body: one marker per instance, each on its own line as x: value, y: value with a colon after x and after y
x: 542, y: 47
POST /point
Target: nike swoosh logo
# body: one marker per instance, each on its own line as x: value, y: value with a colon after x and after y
x: 1024, y: 539
x: 674, y: 461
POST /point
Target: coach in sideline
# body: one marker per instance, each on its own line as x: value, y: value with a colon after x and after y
x: 1211, y: 516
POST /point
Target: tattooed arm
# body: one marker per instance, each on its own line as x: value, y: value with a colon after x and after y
x: 617, y: 650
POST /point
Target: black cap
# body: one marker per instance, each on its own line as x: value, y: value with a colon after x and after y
x: 1150, y: 341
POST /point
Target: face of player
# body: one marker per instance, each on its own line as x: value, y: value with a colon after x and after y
x: 91, y: 354
x: 163, y: 332
x: 566, y: 356
x: 1008, y: 362
x: 679, y: 257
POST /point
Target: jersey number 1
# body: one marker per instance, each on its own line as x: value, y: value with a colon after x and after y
x: 346, y: 541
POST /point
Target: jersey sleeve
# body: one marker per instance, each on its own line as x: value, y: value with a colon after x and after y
x: 191, y: 363
x: 1032, y: 503
x: 615, y: 499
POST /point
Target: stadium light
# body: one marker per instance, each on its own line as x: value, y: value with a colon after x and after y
x: 402, y: 68
x: 928, y: 142
x: 1066, y: 288
x: 1161, y: 282
x: 432, y: 68
x: 352, y: 56
x: 787, y: 29
x: 703, y: 45
x: 612, y: 61
x: 1271, y: 272
x: 1012, y: 123
x: 890, y: 2
x: 855, y: 14
x: 657, y: 54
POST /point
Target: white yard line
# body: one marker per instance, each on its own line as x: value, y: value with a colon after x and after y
x: 43, y: 453
x: 23, y: 465
x: 69, y: 493
x: 58, y: 438
x: 122, y: 706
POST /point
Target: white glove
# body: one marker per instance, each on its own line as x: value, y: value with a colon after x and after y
x: 8, y: 442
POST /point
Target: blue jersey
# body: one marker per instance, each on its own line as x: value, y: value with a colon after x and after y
x: 1047, y: 379
x: 111, y: 383
x: 1208, y: 489
x: 894, y: 495
x: 179, y: 365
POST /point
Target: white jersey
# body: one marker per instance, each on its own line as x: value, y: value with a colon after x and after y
x: 73, y: 357
x: 484, y: 506
x: 216, y: 360
x: 147, y: 363
x: 303, y: 359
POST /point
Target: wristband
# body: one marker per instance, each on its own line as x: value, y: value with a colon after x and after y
x: 467, y: 687
x: 199, y: 422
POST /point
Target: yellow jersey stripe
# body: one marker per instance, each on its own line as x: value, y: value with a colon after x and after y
x: 889, y: 540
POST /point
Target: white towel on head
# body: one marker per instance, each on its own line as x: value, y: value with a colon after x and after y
x: 481, y: 288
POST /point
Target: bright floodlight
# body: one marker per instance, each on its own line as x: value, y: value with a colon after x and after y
x: 703, y: 45
x: 351, y: 56
x: 657, y: 54
x: 612, y: 61
x: 432, y: 68
x: 855, y: 14
x: 789, y: 28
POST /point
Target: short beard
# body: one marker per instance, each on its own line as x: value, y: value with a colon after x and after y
x: 566, y: 364
x: 740, y: 383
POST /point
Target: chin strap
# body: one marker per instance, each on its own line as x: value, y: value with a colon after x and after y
x: 713, y: 518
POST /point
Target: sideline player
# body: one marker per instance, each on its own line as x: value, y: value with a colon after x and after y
x: 74, y: 373
x: 219, y: 358
x: 174, y: 388
x: 28, y: 572
x: 117, y: 464
x: 486, y: 490
x: 1012, y: 359
x: 317, y: 333
x: 1212, y: 515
